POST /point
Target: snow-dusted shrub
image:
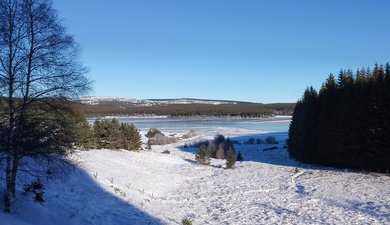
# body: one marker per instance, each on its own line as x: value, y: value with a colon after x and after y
x: 270, y: 140
x: 189, y: 134
x: 160, y: 139
x: 152, y: 132
x: 230, y: 160
x: 200, y: 143
x: 203, y: 155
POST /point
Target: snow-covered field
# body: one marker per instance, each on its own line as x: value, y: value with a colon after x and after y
x: 148, y: 187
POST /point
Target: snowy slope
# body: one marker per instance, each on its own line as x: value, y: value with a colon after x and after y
x: 147, y: 187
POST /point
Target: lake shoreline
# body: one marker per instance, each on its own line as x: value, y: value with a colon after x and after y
x: 189, y: 117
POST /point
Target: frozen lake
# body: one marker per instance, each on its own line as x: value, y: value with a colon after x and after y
x: 211, y: 126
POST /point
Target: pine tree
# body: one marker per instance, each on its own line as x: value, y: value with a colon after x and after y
x: 230, y: 160
x: 130, y: 137
x: 203, y: 156
x: 85, y: 138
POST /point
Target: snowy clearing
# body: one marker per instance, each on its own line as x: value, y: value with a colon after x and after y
x: 148, y: 187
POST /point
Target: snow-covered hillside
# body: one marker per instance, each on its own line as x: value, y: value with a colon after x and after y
x: 148, y: 187
x: 94, y: 100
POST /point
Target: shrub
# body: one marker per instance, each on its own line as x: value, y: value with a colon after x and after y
x: 271, y: 148
x: 166, y: 152
x: 218, y: 147
x: 250, y: 141
x: 152, y: 132
x: 203, y: 156
x: 230, y: 160
x: 36, y: 187
x: 239, y: 156
x: 186, y: 221
x: 160, y: 139
x: 270, y: 140
x: 189, y: 134
x: 260, y: 141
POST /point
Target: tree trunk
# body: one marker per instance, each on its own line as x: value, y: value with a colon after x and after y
x: 8, y: 197
x: 15, y: 167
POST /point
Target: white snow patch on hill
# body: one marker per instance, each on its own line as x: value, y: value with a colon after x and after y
x: 147, y: 187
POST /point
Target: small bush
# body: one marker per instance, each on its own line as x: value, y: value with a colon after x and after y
x: 250, y: 141
x: 239, y: 156
x: 189, y: 134
x: 166, y: 152
x: 260, y: 141
x: 160, y: 139
x: 203, y: 156
x: 186, y: 221
x: 271, y: 148
x: 36, y: 188
x: 270, y: 140
x: 152, y: 132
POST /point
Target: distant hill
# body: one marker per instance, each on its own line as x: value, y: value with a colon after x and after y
x: 95, y: 100
x: 180, y: 107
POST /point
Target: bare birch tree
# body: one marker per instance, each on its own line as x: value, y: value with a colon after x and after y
x: 39, y: 70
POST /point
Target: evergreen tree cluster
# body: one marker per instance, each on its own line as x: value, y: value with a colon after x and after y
x: 346, y: 124
x: 219, y: 148
x: 108, y: 134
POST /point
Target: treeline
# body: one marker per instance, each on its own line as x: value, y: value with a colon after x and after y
x: 191, y: 110
x: 346, y: 124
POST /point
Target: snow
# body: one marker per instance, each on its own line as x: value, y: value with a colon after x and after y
x: 148, y: 187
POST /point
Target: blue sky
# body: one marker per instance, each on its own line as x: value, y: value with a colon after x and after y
x: 260, y: 51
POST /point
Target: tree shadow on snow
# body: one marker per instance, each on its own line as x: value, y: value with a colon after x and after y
x: 78, y: 199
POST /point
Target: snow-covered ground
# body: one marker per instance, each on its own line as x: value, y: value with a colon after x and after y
x: 148, y: 187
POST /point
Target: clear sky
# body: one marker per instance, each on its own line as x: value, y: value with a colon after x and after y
x: 260, y: 51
